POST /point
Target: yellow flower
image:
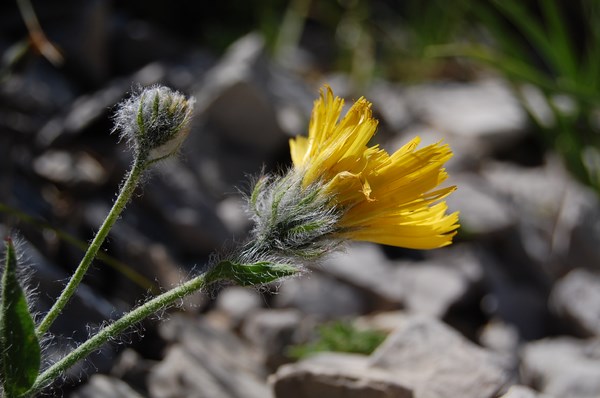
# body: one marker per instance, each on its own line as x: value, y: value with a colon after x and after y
x: 388, y: 199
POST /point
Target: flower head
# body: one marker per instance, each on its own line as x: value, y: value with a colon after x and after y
x: 391, y: 199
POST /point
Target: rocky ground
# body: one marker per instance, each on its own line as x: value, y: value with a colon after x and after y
x: 511, y: 310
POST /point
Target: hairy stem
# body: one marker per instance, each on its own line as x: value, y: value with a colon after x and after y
x: 109, y: 332
x: 124, y: 195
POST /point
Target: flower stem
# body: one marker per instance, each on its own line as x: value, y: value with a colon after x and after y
x: 115, y: 328
x: 124, y: 195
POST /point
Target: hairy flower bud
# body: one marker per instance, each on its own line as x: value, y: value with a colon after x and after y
x: 154, y: 121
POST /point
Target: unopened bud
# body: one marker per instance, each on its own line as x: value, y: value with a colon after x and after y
x: 154, y: 121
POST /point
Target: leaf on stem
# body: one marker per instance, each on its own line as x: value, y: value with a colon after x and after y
x: 257, y: 273
x: 19, y: 346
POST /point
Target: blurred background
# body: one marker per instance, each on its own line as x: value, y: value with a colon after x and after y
x: 512, y: 86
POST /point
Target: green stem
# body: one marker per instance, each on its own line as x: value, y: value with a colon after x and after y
x: 126, y: 191
x: 112, y: 330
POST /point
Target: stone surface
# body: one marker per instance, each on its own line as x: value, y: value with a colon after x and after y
x: 484, y: 110
x: 101, y: 386
x: 336, y: 375
x: 523, y: 392
x: 133, y: 369
x: 436, y: 361
x: 576, y: 297
x: 550, y: 205
x: 321, y: 296
x: 384, y: 321
x: 205, y: 361
x: 235, y: 86
x: 364, y: 266
x: 563, y: 367
x: 585, y: 239
x: 432, y: 288
x: 237, y: 303
x: 89, y: 108
x: 273, y: 331
x: 245, y: 111
x: 68, y: 168
x: 482, y: 211
x: 501, y: 338
x: 389, y: 102
x: 180, y: 202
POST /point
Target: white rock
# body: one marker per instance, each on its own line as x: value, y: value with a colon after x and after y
x: 485, y: 110
x: 206, y: 361
x: 237, y: 303
x: 273, y: 331
x: 336, y: 375
x: 363, y: 265
x: 482, y: 211
x: 563, y: 367
x: 322, y: 296
x: 102, y: 386
x: 523, y: 392
x: 437, y: 362
x: 577, y: 298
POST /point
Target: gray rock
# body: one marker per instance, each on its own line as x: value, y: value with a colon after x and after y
x: 206, y: 361
x: 384, y: 321
x: 563, y: 367
x: 432, y: 287
x: 523, y: 392
x: 549, y: 205
x: 182, y: 374
x: 102, y: 386
x: 88, y: 108
x: 435, y: 361
x: 585, y: 239
x: 364, y: 266
x: 321, y: 296
x: 389, y: 101
x: 237, y: 303
x: 336, y: 375
x: 232, y: 213
x: 482, y: 211
x: 181, y: 202
x: 577, y: 298
x: 133, y: 369
x: 485, y: 110
x: 500, y: 337
x: 245, y: 110
x: 504, y: 340
x: 70, y: 168
x: 235, y: 100
x: 273, y: 331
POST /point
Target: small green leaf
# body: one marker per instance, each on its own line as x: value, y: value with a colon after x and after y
x: 257, y: 273
x: 19, y: 346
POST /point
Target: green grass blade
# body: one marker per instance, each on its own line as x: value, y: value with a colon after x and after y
x: 558, y: 35
x: 532, y: 30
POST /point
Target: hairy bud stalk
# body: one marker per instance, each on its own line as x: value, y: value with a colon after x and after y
x: 154, y: 121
